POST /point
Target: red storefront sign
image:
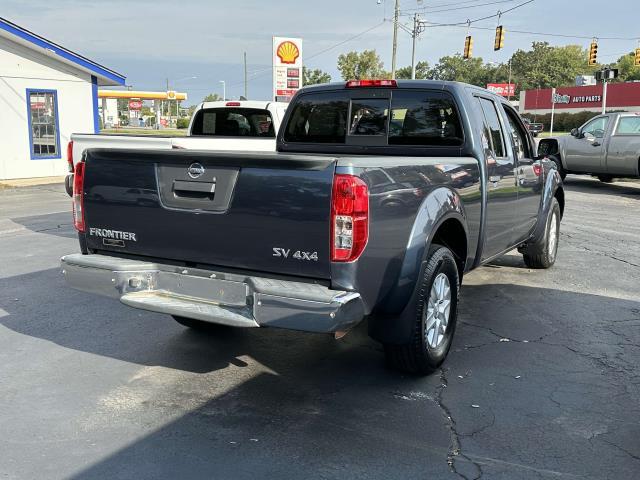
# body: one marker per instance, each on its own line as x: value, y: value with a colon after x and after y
x: 619, y: 96
x: 504, y: 89
x: 135, y: 104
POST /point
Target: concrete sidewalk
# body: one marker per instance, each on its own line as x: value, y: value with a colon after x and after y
x: 30, y: 182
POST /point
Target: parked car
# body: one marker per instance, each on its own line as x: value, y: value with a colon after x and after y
x: 229, y: 126
x: 534, y: 128
x: 606, y: 146
x: 297, y: 239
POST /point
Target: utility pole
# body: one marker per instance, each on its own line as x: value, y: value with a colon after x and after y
x: 418, y: 28
x: 396, y: 16
x: 224, y: 90
x: 604, y: 95
x: 246, y: 95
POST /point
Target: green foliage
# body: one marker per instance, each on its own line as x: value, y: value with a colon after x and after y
x: 422, y: 71
x: 182, y: 123
x: 562, y: 122
x: 627, y: 71
x: 212, y: 97
x: 361, y: 65
x: 545, y: 66
x: 314, y: 77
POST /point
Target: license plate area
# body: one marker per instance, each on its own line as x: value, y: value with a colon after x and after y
x: 224, y: 292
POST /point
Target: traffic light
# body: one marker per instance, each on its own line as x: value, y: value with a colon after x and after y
x: 636, y: 60
x: 593, y: 54
x: 499, y: 41
x: 468, y: 47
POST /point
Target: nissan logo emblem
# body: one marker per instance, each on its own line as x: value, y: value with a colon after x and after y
x: 195, y: 170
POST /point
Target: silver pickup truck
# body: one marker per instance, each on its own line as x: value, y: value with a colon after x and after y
x: 607, y: 146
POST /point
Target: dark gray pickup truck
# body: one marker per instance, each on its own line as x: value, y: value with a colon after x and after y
x: 382, y: 195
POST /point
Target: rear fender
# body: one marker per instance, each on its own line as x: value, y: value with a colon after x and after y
x: 392, y: 321
x: 553, y: 182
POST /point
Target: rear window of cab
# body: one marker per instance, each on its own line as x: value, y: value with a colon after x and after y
x: 233, y: 122
x: 409, y: 117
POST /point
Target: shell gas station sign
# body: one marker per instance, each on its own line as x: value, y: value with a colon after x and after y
x: 287, y: 67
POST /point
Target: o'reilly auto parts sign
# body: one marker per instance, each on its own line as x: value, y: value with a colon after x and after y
x: 287, y: 67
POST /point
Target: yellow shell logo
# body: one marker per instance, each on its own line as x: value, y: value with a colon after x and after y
x: 288, y: 52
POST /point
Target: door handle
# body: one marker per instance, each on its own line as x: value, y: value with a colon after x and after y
x: 596, y: 144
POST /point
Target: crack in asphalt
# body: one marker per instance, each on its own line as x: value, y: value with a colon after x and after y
x: 455, y: 447
x: 597, y: 252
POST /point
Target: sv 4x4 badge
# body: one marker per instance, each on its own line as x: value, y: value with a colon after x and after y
x: 298, y: 254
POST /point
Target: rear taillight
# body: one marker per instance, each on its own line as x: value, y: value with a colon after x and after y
x: 78, y: 197
x: 371, y: 83
x: 349, y: 218
x: 537, y: 169
x: 232, y: 104
x: 70, y: 156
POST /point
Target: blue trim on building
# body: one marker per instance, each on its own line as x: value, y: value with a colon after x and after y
x: 94, y: 67
x: 57, y: 120
x: 94, y: 99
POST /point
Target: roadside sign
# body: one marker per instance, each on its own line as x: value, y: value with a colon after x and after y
x: 287, y: 67
x: 135, y: 104
x: 503, y: 89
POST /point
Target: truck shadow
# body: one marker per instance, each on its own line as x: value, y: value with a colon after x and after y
x: 313, y: 404
x: 586, y: 184
x: 58, y: 224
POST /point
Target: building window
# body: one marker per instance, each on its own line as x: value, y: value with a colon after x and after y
x: 44, y: 134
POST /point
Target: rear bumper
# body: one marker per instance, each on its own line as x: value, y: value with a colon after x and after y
x: 216, y: 297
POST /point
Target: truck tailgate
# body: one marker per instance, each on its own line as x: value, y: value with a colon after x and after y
x: 257, y: 211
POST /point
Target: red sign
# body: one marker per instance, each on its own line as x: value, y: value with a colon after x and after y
x: 619, y: 95
x: 504, y: 89
x: 135, y: 104
x: 285, y: 92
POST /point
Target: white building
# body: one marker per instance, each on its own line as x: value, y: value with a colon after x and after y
x: 46, y: 93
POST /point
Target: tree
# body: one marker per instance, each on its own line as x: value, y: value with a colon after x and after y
x: 627, y: 71
x: 422, y: 71
x: 456, y: 68
x: 212, y: 97
x: 358, y: 66
x: 314, y: 77
x: 545, y: 66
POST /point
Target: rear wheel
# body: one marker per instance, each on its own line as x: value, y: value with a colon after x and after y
x: 559, y: 166
x: 542, y: 254
x: 436, y: 312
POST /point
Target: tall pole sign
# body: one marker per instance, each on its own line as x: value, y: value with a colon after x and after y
x: 287, y: 67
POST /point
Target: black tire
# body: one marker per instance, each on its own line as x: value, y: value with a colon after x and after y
x: 543, y: 253
x: 559, y: 166
x: 199, y: 325
x: 605, y: 178
x: 418, y: 356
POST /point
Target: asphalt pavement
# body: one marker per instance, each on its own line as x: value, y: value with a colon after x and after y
x: 542, y: 382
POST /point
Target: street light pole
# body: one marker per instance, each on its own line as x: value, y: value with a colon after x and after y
x: 396, y: 14
x: 224, y: 90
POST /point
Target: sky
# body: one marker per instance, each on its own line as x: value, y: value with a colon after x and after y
x: 150, y: 41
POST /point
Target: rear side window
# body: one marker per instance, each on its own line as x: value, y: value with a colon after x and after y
x: 318, y: 118
x: 424, y: 118
x: 233, y: 122
x: 628, y: 126
x: 493, y: 125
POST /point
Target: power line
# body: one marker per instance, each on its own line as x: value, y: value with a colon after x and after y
x: 263, y: 71
x: 469, y: 22
x: 424, y: 9
x: 528, y: 32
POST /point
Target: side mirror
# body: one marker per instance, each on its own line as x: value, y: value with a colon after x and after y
x: 574, y: 132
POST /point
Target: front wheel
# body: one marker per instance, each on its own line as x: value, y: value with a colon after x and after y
x: 542, y: 253
x: 436, y: 311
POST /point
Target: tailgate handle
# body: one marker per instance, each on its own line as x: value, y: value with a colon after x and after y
x: 204, y: 189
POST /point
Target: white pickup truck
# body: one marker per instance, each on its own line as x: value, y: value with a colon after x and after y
x: 220, y: 126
